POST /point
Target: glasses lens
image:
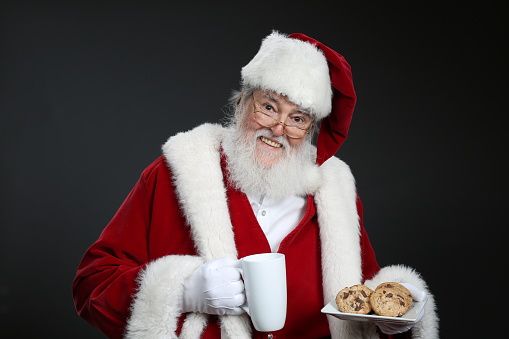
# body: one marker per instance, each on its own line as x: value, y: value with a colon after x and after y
x: 266, y: 120
x: 295, y: 132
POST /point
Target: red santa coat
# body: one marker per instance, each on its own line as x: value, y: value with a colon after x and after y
x: 182, y: 213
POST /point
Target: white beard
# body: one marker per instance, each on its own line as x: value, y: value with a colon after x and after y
x: 294, y: 174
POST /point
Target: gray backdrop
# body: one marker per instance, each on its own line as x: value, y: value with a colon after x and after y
x: 90, y: 91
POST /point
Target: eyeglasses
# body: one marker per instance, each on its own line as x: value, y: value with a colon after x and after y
x: 298, y: 127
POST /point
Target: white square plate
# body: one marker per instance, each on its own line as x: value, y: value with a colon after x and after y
x: 410, y: 316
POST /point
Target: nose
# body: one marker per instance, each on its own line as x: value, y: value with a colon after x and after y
x: 278, y: 129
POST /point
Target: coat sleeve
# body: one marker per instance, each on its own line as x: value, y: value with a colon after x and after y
x: 122, y: 272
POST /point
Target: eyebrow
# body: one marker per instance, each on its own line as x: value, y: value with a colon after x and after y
x: 278, y: 101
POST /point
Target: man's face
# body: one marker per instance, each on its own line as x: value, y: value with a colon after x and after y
x: 272, y: 144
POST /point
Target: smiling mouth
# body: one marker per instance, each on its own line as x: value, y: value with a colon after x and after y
x: 271, y: 143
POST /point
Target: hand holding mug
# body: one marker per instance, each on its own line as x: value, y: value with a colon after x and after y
x: 215, y: 287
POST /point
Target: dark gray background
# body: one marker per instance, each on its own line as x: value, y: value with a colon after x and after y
x: 90, y: 91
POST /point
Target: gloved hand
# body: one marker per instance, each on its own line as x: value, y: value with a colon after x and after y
x: 393, y: 328
x: 215, y: 287
x: 417, y: 294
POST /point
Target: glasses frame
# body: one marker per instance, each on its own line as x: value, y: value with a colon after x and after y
x: 306, y: 130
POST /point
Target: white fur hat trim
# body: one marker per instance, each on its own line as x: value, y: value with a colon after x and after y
x: 294, y: 68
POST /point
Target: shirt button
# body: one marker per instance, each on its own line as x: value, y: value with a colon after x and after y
x: 264, y: 213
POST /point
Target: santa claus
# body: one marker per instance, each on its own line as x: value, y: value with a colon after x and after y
x: 166, y: 264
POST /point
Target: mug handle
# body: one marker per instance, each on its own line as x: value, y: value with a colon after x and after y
x: 245, y: 307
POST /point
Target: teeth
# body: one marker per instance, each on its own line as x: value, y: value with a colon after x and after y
x: 270, y: 142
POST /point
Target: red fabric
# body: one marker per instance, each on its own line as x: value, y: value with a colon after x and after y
x: 149, y: 225
x: 334, y: 128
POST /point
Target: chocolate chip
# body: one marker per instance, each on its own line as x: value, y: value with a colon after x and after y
x: 345, y: 295
x: 389, y: 295
x: 364, y: 294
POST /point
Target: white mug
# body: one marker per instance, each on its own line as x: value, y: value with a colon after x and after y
x: 265, y: 284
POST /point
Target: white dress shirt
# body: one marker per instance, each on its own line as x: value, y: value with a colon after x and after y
x: 278, y: 218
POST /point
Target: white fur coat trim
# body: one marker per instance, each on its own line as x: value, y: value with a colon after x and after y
x: 157, y: 304
x: 194, y: 159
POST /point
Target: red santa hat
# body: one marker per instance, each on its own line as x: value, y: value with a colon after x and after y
x: 310, y: 75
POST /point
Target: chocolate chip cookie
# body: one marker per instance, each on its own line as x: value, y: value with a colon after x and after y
x: 354, y: 299
x: 396, y: 285
x: 390, y: 300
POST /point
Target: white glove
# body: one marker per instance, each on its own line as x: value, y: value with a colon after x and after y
x: 417, y: 294
x: 215, y: 287
x: 393, y: 328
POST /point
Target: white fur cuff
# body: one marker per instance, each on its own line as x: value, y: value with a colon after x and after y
x: 157, y: 304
